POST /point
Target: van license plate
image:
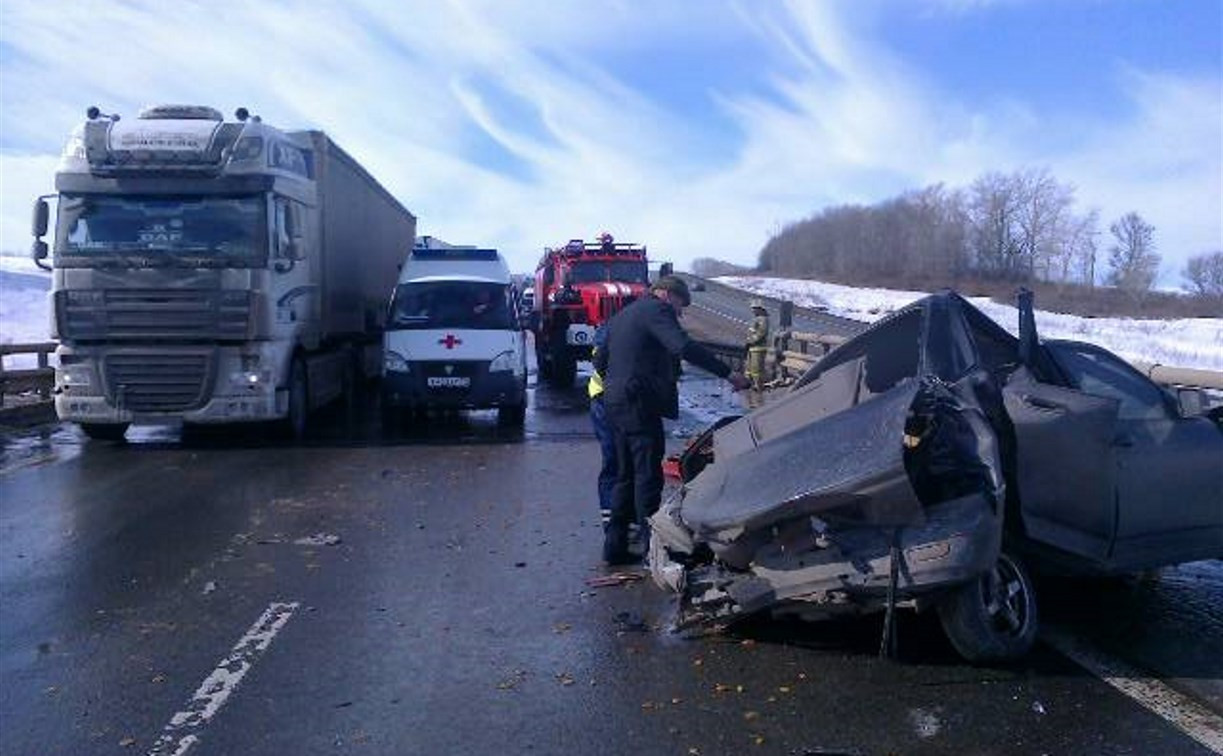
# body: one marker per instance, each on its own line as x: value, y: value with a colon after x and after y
x: 449, y: 381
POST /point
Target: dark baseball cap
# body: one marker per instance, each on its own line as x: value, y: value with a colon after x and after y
x: 676, y: 286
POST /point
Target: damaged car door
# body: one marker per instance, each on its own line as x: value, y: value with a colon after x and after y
x: 1064, y: 465
x: 1168, y: 469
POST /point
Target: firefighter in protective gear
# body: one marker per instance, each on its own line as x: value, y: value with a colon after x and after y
x: 757, y: 343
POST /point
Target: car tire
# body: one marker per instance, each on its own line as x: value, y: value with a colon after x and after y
x: 992, y: 618
x: 105, y: 431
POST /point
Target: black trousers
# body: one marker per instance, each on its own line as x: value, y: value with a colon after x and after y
x: 638, y: 490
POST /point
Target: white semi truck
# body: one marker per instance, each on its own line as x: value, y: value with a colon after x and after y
x: 214, y: 272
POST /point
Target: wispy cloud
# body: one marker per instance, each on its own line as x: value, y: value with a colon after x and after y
x: 694, y: 128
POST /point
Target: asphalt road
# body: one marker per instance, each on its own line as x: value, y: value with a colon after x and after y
x: 424, y: 591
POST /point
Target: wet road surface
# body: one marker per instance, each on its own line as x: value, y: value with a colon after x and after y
x: 424, y: 590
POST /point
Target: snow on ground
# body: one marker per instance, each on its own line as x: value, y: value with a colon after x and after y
x: 24, y: 312
x: 1189, y: 342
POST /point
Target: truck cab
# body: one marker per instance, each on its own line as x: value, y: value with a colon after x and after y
x: 453, y: 338
x: 578, y: 286
x: 209, y: 271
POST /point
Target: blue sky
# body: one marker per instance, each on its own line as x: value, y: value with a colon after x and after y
x: 697, y: 127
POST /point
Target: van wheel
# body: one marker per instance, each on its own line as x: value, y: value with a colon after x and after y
x: 105, y: 431
x: 294, y: 424
x: 392, y: 417
x: 992, y: 618
x: 513, y: 417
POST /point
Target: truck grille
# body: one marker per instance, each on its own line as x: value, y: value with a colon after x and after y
x: 157, y: 382
x: 211, y: 315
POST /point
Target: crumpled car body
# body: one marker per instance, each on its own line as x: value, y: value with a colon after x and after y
x: 900, y: 465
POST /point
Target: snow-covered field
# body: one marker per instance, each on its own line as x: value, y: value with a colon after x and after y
x: 24, y: 311
x: 1190, y: 342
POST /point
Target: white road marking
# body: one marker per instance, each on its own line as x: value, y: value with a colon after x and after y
x: 185, y: 727
x: 1187, y: 715
x: 925, y: 722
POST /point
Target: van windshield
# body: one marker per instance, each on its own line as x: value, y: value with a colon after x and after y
x: 451, y: 304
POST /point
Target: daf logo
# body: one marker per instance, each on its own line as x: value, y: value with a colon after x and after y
x: 449, y: 369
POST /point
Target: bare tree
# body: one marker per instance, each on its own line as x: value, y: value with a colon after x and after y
x: 1080, y: 247
x: 1132, y: 260
x: 1044, y: 223
x: 1205, y: 275
x: 709, y: 267
x: 993, y: 209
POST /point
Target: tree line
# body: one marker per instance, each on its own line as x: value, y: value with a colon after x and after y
x: 1022, y: 227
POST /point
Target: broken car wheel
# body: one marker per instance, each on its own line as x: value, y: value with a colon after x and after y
x: 992, y: 618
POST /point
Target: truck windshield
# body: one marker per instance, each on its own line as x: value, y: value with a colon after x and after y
x: 594, y: 271
x: 161, y: 230
x: 451, y: 304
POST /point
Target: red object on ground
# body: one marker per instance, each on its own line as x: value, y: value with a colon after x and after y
x: 670, y: 467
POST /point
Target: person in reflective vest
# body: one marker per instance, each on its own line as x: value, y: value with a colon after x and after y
x: 757, y: 344
x: 603, y: 431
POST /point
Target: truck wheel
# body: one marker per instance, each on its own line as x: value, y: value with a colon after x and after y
x: 992, y: 618
x: 348, y: 385
x: 105, y: 431
x: 564, y: 368
x: 299, y: 401
x: 543, y: 366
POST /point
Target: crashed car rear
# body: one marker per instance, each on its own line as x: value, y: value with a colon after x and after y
x: 921, y: 464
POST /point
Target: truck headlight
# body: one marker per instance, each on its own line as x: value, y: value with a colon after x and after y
x: 394, y: 362
x: 76, y: 376
x: 250, y: 378
x: 502, y: 363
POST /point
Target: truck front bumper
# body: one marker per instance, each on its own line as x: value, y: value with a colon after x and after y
x: 191, y: 384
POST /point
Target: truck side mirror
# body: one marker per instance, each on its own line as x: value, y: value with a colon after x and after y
x: 1192, y: 401
x: 39, y: 253
x: 42, y: 217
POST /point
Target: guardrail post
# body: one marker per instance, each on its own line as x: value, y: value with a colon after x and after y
x: 44, y: 391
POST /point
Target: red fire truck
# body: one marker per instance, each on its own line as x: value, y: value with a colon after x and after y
x: 578, y: 286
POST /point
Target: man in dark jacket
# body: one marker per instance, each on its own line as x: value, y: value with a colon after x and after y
x: 638, y: 363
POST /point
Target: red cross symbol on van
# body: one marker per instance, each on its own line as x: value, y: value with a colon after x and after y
x: 449, y: 341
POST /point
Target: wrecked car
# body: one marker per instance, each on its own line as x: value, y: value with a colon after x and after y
x: 929, y: 463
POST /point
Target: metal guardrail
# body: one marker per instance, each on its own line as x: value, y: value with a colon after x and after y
x: 37, y: 381
x: 1174, y: 376
x: 734, y: 355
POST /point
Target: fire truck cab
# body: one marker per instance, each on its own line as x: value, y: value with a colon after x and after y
x: 578, y: 286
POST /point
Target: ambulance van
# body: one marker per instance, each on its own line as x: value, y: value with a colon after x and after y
x: 453, y: 337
